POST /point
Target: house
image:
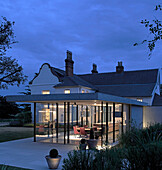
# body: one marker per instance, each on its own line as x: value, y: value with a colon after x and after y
x: 111, y: 100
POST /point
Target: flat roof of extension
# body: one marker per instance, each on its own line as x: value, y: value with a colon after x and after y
x: 79, y: 98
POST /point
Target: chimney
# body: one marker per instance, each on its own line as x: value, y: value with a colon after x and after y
x: 69, y: 64
x: 94, y: 69
x: 119, y: 68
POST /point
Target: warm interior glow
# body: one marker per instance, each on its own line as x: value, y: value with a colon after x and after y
x: 140, y: 100
x: 83, y: 91
x: 67, y: 91
x: 45, y: 92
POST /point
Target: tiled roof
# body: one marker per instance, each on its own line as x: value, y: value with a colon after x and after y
x: 138, y: 83
x: 128, y: 90
x: 74, y: 81
x: 126, y: 77
x: 157, y: 100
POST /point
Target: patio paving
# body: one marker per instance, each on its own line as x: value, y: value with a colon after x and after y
x: 28, y: 154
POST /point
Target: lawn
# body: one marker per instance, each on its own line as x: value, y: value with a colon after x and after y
x: 13, y: 133
x: 7, y: 167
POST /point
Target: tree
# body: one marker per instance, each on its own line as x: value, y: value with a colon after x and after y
x: 11, y: 73
x: 8, y: 110
x: 155, y: 29
x: 25, y: 109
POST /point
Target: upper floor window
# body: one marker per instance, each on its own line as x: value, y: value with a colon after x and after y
x: 67, y: 91
x: 45, y: 92
x: 140, y: 100
x: 83, y: 91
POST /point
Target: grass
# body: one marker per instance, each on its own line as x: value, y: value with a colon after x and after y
x: 7, y: 167
x: 13, y: 133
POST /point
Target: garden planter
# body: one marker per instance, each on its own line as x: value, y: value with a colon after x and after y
x: 92, y: 143
x: 53, y: 163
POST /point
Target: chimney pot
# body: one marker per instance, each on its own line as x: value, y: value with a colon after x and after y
x: 94, y: 70
x: 119, y: 68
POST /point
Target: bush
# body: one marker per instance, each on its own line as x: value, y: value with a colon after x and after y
x: 100, y: 160
x: 78, y: 160
x: 24, y: 116
x: 109, y: 159
x: 147, y: 156
x: 53, y: 153
x: 135, y: 136
x: 16, y: 123
x: 142, y: 148
x: 82, y: 141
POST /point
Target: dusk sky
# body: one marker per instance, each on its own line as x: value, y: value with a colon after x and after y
x: 96, y: 31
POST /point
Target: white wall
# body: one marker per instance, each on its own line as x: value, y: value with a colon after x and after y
x: 137, y: 116
x: 44, y: 81
x: 152, y: 114
x: 73, y: 90
x: 144, y: 99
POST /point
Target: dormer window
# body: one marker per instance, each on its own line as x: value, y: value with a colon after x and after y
x: 45, y: 92
x: 67, y: 91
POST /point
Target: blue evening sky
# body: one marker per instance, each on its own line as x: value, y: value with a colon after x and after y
x: 96, y: 31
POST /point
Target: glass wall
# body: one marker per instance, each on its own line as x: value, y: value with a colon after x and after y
x: 87, y: 116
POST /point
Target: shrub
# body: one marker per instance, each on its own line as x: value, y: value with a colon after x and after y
x: 24, y: 116
x: 135, y: 136
x: 82, y: 141
x: 53, y: 153
x: 16, y: 123
x: 100, y: 160
x: 91, y: 133
x: 78, y: 160
x: 147, y: 156
x: 108, y: 159
x: 142, y: 148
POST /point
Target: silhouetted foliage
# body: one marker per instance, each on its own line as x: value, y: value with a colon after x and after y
x: 53, y: 153
x: 155, y: 29
x: 25, y: 109
x: 7, y: 110
x: 139, y: 149
x: 10, y: 71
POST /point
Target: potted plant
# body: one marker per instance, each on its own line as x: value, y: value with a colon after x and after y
x: 92, y: 142
x: 82, y: 145
x: 53, y: 159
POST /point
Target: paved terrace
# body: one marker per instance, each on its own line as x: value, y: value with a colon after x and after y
x: 28, y: 154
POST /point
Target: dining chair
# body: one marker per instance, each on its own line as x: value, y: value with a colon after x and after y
x: 82, y: 131
x: 75, y: 130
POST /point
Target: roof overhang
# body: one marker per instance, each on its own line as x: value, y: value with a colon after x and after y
x: 73, y: 97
